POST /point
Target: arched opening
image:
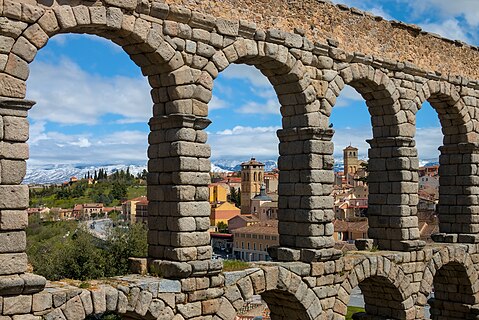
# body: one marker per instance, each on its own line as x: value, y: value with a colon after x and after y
x: 284, y: 305
x: 428, y: 139
x: 456, y: 187
x: 88, y: 142
x: 245, y: 115
x: 454, y: 293
x: 389, y: 160
x: 351, y: 122
x: 283, y: 296
x: 375, y: 288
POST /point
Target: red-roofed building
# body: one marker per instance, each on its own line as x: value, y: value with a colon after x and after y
x: 131, y: 211
x: 350, y: 230
x: 252, y: 242
x: 241, y: 221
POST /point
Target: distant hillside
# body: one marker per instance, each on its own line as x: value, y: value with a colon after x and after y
x: 53, y: 174
x: 61, y: 173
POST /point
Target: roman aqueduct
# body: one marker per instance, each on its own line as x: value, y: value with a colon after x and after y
x: 309, y: 50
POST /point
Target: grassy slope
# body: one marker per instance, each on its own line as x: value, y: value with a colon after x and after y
x: 353, y: 310
x: 51, y: 201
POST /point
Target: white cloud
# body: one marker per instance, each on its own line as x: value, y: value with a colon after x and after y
x: 450, y: 29
x: 270, y: 106
x: 66, y: 94
x: 428, y: 140
x: 241, y: 142
x: 51, y: 147
x: 217, y: 103
x: 349, y: 96
x: 37, y: 132
x: 82, y: 143
x: 380, y: 11
x: 469, y: 9
x: 246, y: 72
x: 355, y: 136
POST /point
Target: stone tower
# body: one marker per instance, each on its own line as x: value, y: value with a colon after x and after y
x: 252, y: 174
x: 351, y: 162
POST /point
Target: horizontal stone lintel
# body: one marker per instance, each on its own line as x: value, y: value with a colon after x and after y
x: 15, y: 107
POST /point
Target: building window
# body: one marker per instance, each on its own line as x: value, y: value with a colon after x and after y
x: 248, y: 246
x: 242, y: 245
x: 254, y: 246
x: 260, y: 236
x: 255, y: 236
x: 273, y: 238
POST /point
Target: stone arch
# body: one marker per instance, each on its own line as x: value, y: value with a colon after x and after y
x: 141, y: 39
x: 129, y: 302
x: 286, y: 294
x: 391, y: 155
x: 456, y: 122
x: 457, y: 162
x: 386, y: 289
x: 286, y: 73
x: 452, y: 274
x: 379, y: 92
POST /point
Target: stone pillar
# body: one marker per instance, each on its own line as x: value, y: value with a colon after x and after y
x: 14, y: 199
x: 178, y: 211
x: 305, y: 208
x: 393, y: 194
x: 458, y: 207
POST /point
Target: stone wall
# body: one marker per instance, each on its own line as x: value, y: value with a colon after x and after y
x: 182, y: 52
x: 354, y: 30
x: 394, y: 285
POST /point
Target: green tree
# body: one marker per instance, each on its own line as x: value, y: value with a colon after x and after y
x: 222, y: 227
x: 119, y: 190
x: 235, y: 196
x: 124, y: 243
x: 60, y: 250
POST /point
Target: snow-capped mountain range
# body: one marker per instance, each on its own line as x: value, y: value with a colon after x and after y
x: 52, y: 174
x: 60, y: 173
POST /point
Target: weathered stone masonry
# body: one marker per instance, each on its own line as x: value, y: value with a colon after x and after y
x: 182, y: 51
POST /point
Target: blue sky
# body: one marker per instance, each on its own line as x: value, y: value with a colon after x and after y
x: 93, y: 104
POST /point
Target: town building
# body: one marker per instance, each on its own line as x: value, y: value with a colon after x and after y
x: 271, y: 181
x: 218, y: 193
x: 130, y: 210
x: 42, y: 213
x: 263, y: 207
x: 252, y: 242
x: 252, y: 173
x: 241, y: 221
x: 87, y: 211
x: 428, y: 170
x: 222, y: 212
x: 350, y: 230
x: 141, y: 215
x: 351, y: 208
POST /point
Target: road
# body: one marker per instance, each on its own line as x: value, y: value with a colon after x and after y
x: 99, y: 228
